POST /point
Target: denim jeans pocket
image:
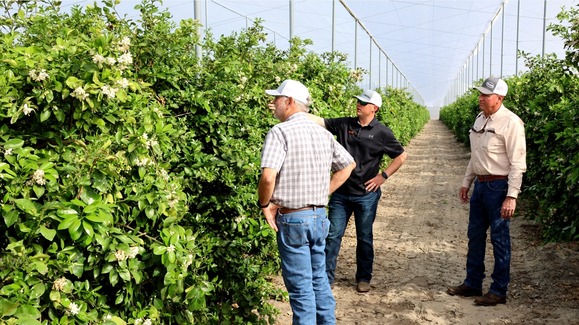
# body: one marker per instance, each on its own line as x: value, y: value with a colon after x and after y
x: 294, y: 232
x: 499, y: 186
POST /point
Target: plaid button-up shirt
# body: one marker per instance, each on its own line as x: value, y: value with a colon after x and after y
x: 303, y: 154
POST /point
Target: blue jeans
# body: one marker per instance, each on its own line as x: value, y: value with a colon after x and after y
x: 364, y: 208
x: 485, y: 212
x: 301, y: 241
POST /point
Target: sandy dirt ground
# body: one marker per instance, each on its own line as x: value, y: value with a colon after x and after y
x: 420, y: 249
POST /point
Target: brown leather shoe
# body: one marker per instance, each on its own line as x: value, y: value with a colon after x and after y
x: 490, y: 299
x: 464, y: 291
x: 363, y: 286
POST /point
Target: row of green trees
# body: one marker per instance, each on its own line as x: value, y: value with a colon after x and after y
x: 129, y: 167
x: 546, y: 97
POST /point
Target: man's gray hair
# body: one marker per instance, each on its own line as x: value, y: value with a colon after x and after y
x: 304, y: 106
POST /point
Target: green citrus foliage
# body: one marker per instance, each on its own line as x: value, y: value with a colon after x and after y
x: 129, y: 166
x: 547, y: 99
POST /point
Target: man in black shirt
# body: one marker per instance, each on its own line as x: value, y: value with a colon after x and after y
x: 367, y: 140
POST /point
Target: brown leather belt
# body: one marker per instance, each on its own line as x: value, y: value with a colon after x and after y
x: 309, y: 207
x: 490, y: 178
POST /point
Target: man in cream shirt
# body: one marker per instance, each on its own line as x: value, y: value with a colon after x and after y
x: 496, y: 166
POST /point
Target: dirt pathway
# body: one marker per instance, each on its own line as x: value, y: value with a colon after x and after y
x: 420, y: 248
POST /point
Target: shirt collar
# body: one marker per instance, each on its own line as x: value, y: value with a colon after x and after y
x: 371, y: 124
x: 500, y: 112
x: 296, y: 115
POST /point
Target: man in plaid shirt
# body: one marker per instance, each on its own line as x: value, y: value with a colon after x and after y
x: 296, y: 164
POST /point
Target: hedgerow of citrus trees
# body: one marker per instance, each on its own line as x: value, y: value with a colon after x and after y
x: 547, y: 99
x: 129, y: 167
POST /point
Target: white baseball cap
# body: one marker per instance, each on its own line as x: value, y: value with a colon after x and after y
x: 293, y: 89
x: 370, y: 96
x: 493, y: 85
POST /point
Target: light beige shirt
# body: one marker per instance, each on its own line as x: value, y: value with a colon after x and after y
x: 499, y: 150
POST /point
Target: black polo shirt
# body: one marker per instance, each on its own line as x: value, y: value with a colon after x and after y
x: 367, y: 145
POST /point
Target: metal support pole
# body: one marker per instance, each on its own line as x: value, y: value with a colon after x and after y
x: 370, y: 66
x: 197, y: 16
x: 356, y: 44
x: 544, y: 27
x: 517, y: 41
x: 291, y: 19
x: 333, y: 24
x: 502, y: 37
x: 491, y: 50
x: 483, y: 58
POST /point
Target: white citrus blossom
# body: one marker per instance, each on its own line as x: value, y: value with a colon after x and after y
x: 133, y: 251
x: 111, y: 61
x: 27, y: 110
x: 124, y: 83
x: 126, y: 59
x: 124, y: 44
x: 38, y: 75
x: 79, y: 93
x: 8, y: 152
x: 151, y: 143
x: 59, y: 284
x: 73, y: 308
x: 38, y: 177
x: 120, y: 255
x: 164, y: 175
x: 109, y: 91
x: 141, y: 162
x: 98, y: 59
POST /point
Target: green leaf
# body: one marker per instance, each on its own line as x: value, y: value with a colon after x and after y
x: 13, y: 144
x: 118, y: 321
x: 67, y: 222
x: 38, y: 190
x: 54, y: 295
x: 150, y: 212
x: 119, y: 299
x: 76, y: 268
x: 26, y: 312
x: 73, y: 82
x: 113, y: 277
x: 93, y: 218
x: 125, y: 275
x: 74, y: 229
x: 45, y: 115
x: 88, y: 228
x: 47, y: 233
x: 159, y: 250
x: 137, y: 275
x: 8, y: 308
x: 27, y: 206
x: 46, y: 166
x: 10, y: 218
x: 41, y: 267
x: 89, y: 196
x: 64, y: 213
x: 78, y: 202
x: 37, y: 291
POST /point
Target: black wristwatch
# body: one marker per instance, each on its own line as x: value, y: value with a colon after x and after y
x: 262, y: 206
x: 384, y: 175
